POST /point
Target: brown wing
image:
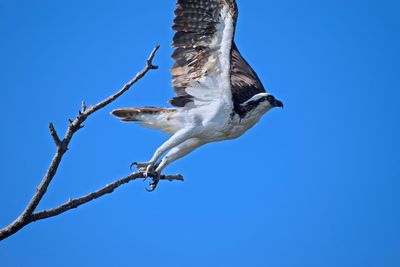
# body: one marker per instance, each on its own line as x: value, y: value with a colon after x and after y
x: 199, y: 26
x: 244, y: 80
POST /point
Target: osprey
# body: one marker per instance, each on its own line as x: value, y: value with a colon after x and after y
x: 218, y: 95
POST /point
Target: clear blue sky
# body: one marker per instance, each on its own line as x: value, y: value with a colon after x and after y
x: 316, y: 184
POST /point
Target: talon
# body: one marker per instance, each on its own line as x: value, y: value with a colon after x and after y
x: 149, y: 171
x: 133, y: 163
x: 141, y: 166
x: 153, y: 184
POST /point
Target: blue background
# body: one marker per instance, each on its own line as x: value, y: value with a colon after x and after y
x: 316, y: 184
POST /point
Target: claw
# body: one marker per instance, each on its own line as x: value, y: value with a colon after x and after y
x: 141, y: 167
x: 133, y: 163
x: 150, y: 171
x: 154, y: 183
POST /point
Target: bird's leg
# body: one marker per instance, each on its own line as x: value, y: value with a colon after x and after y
x: 178, y: 152
x: 175, y: 153
x: 175, y: 140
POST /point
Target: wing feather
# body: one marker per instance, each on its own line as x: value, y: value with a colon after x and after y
x: 244, y: 80
x: 204, y: 35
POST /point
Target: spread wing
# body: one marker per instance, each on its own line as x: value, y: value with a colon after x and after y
x: 244, y: 80
x: 203, y: 41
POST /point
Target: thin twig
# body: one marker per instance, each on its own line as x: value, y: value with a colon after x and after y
x: 28, y: 215
x: 54, y: 134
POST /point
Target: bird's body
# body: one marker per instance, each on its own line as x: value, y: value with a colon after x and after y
x: 218, y: 95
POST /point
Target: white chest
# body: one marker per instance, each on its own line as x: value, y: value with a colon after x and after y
x: 232, y: 128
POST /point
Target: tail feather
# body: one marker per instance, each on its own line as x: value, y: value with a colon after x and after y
x: 150, y: 117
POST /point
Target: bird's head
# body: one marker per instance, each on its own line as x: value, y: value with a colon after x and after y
x: 265, y: 101
x: 261, y: 103
x: 272, y: 101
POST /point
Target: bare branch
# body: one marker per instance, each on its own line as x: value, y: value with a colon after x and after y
x: 28, y: 215
x: 83, y: 106
x: 149, y: 66
x: 74, y: 203
x: 54, y: 134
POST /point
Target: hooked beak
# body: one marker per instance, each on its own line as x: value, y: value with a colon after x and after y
x: 278, y: 103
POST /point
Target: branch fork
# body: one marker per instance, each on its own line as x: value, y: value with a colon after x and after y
x: 29, y: 215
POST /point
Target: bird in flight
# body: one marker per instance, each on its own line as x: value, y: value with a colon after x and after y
x: 218, y: 95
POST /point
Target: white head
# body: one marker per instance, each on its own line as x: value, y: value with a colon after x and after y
x: 262, y: 102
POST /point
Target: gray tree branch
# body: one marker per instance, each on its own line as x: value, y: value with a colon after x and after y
x: 28, y: 215
x: 74, y: 203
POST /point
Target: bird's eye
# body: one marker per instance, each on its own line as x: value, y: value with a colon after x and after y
x: 270, y: 98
